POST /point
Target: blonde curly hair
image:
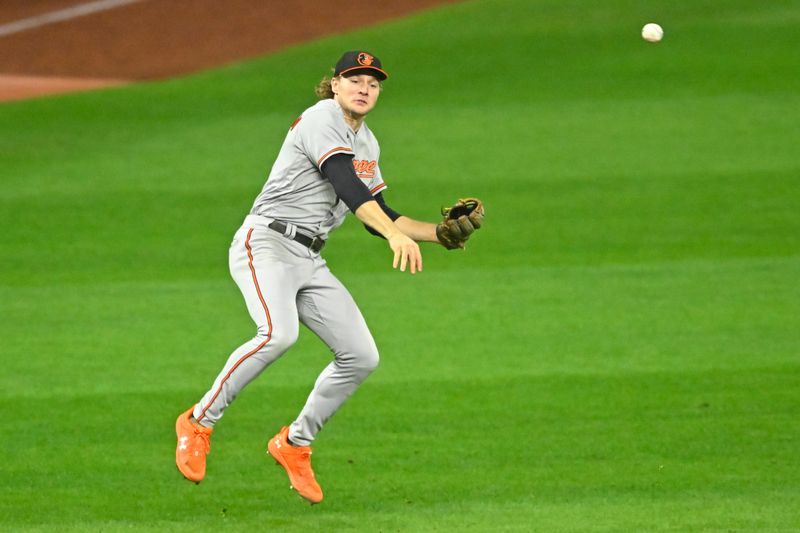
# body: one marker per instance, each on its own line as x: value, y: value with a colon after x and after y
x: 323, y: 89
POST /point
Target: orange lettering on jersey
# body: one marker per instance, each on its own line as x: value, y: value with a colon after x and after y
x: 365, y: 169
x: 295, y: 122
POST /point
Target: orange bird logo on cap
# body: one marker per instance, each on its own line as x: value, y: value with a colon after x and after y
x: 365, y: 59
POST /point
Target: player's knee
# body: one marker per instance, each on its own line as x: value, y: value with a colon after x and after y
x: 367, y: 360
x: 283, y: 341
x: 276, y: 340
x: 359, y: 361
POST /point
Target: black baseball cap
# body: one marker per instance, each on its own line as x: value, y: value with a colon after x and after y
x: 356, y: 61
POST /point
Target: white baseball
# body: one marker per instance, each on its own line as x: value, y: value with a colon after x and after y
x: 652, y: 32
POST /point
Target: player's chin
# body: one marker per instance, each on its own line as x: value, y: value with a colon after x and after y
x: 362, y: 107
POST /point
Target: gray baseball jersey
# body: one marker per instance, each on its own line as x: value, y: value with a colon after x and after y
x: 296, y: 191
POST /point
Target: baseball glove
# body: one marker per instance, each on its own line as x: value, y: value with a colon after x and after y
x: 460, y: 221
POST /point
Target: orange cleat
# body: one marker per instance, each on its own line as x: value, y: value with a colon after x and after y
x: 193, y: 446
x: 296, y: 460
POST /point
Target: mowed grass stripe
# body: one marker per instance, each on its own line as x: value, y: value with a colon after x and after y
x: 607, y: 319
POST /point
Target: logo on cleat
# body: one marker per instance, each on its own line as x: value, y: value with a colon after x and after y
x: 183, y: 441
x: 277, y: 443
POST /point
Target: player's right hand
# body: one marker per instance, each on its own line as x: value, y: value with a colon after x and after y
x: 406, y: 253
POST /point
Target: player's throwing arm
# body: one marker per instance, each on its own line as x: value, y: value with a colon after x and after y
x: 406, y: 250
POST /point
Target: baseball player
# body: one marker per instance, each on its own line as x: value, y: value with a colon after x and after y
x: 327, y: 166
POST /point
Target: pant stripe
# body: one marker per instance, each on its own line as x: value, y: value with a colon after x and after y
x: 260, y: 346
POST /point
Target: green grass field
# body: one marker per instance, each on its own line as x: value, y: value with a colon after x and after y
x: 618, y: 349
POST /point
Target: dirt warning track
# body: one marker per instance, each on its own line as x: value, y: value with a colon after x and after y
x: 52, y: 46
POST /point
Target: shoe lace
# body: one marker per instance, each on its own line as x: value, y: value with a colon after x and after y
x: 304, y: 464
x: 205, y: 440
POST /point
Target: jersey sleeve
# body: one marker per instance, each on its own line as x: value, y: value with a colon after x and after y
x: 321, y: 137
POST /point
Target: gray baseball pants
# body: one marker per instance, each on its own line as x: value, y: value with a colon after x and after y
x: 283, y: 284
